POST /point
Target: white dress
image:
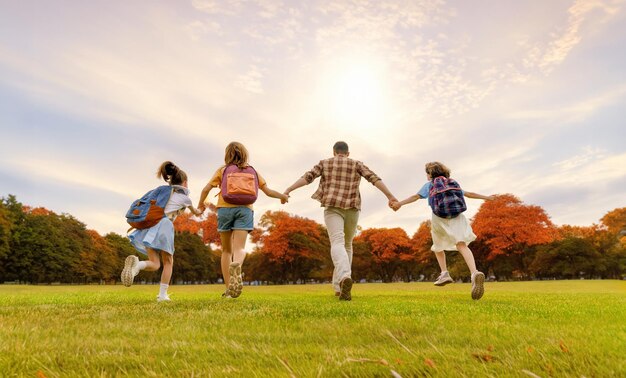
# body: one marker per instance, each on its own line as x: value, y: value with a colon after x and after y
x: 447, y: 232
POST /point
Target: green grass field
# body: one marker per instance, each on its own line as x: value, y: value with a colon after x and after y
x: 547, y: 329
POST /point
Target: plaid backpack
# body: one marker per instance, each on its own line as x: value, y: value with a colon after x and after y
x: 446, y: 198
x: 240, y: 186
x: 149, y: 209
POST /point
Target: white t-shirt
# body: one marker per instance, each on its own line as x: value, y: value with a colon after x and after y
x: 178, y: 201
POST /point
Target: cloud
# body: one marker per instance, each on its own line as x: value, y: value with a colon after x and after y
x: 559, y: 48
x: 576, y: 112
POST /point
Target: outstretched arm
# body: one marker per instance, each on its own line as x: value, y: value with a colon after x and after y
x: 380, y: 185
x: 477, y: 196
x: 274, y: 194
x: 298, y: 184
x: 195, y: 211
x: 203, y: 195
x: 411, y: 199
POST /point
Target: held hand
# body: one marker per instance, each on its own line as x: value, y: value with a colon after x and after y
x: 395, y: 205
x: 201, y: 208
x: 284, y: 199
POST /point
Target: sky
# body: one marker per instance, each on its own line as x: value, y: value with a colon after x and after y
x: 521, y: 97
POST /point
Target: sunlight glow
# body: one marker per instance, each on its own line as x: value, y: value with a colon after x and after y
x: 355, y: 95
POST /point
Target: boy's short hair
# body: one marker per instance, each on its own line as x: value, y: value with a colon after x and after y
x: 436, y: 169
x: 341, y: 147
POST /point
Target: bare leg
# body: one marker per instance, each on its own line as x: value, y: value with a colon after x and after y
x: 153, y: 262
x: 227, y: 255
x: 235, y: 283
x: 239, y: 243
x: 441, y: 259
x: 168, y: 265
x: 467, y: 256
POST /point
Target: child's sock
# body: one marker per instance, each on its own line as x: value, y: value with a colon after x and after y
x: 163, y: 290
x: 141, y: 265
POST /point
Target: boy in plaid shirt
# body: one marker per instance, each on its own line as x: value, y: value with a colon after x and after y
x: 338, y: 193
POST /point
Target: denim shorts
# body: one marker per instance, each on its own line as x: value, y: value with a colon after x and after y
x: 235, y: 218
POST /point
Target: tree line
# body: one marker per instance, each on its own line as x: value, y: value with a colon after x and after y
x: 514, y: 241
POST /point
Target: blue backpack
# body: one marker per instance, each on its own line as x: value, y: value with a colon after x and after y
x: 149, y: 209
x: 446, y: 198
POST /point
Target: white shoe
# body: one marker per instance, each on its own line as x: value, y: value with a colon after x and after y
x: 130, y: 270
x: 478, y: 280
x: 443, y: 279
x: 166, y: 298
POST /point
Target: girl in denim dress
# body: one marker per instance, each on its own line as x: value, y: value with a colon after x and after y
x: 158, y: 240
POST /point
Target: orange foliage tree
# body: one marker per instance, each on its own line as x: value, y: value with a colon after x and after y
x: 507, y: 227
x: 421, y: 242
x: 206, y: 228
x: 295, y: 247
x: 390, y: 247
x: 98, y: 261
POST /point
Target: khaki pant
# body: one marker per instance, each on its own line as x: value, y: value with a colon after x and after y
x: 341, y: 225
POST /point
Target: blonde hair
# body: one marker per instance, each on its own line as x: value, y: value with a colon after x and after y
x: 171, y: 173
x: 237, y: 154
x: 436, y: 169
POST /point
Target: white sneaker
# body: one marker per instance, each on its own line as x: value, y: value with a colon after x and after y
x: 478, y: 280
x: 443, y: 279
x: 166, y: 298
x: 130, y: 270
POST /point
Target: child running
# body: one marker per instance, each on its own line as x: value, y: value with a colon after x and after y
x: 452, y: 233
x: 239, y: 184
x: 159, y: 239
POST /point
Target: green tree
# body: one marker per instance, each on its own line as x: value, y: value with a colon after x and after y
x: 569, y: 258
x: 193, y: 261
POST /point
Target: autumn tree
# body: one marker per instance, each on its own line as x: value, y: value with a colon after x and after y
x: 295, y: 244
x: 363, y: 262
x: 389, y: 248
x: 611, y: 242
x: 507, y: 227
x: 98, y: 261
x: 421, y: 242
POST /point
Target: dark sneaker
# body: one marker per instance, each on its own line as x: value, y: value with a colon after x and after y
x: 346, y: 289
x: 478, y: 281
x: 130, y: 270
x: 443, y: 279
x: 235, y: 285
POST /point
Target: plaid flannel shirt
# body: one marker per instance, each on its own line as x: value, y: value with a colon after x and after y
x: 339, y: 182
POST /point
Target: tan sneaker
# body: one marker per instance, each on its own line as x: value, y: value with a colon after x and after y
x: 478, y: 280
x: 345, y: 286
x: 235, y: 284
x: 130, y: 270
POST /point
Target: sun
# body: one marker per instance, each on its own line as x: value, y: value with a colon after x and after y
x: 355, y: 95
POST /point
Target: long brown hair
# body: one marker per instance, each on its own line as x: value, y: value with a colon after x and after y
x: 171, y: 173
x: 237, y: 154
